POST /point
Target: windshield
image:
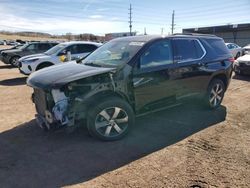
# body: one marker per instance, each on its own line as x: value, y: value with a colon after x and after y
x: 113, y: 53
x: 55, y: 49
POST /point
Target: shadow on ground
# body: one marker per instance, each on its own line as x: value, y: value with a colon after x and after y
x: 7, y: 67
x: 31, y: 158
x: 13, y: 81
x: 242, y: 77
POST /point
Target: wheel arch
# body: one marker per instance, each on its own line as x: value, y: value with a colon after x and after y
x: 222, y: 77
x: 42, y: 64
x: 109, y: 93
x: 15, y: 55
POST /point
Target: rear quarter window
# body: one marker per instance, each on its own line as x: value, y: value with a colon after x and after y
x: 187, y: 49
x: 218, y: 46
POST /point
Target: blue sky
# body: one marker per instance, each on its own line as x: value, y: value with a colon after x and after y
x: 105, y: 16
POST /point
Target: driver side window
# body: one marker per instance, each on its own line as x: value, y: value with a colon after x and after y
x: 159, y: 53
x: 31, y: 47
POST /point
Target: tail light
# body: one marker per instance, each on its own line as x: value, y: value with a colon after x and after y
x: 231, y: 60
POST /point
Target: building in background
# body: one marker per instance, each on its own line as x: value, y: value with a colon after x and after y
x: 110, y: 36
x: 235, y: 33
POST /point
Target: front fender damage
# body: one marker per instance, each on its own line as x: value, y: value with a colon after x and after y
x: 71, y: 103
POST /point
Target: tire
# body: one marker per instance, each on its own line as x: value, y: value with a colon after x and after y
x: 215, y: 93
x: 43, y: 65
x: 14, y: 61
x: 237, y: 71
x: 237, y: 55
x: 110, y: 119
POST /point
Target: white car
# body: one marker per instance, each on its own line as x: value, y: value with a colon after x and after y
x: 246, y: 49
x: 236, y: 50
x: 58, y: 54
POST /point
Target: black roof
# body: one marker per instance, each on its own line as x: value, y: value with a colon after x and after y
x: 146, y: 38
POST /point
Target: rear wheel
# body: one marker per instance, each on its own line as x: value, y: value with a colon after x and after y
x: 215, y: 93
x: 110, y: 119
x: 14, y: 61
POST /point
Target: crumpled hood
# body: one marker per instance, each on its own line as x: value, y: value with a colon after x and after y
x: 59, y: 75
x: 34, y: 56
x: 244, y: 58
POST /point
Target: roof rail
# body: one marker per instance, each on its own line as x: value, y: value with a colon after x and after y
x: 195, y: 34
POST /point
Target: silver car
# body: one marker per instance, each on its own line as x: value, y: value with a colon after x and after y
x: 236, y: 50
x: 246, y: 49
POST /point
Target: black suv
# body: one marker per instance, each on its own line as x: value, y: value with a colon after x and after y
x: 11, y: 56
x: 130, y: 76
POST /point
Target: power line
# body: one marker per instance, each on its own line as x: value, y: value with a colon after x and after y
x: 130, y: 19
x: 173, y: 24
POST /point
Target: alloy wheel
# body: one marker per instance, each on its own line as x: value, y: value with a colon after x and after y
x: 216, y: 95
x: 15, y: 61
x: 111, y: 122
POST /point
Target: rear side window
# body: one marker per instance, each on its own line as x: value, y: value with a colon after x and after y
x: 218, y: 46
x: 86, y: 48
x: 187, y: 50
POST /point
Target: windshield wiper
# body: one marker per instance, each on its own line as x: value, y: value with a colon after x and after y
x: 92, y: 64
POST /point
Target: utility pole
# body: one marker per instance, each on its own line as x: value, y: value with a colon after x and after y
x: 173, y: 24
x: 145, y: 31
x: 130, y: 19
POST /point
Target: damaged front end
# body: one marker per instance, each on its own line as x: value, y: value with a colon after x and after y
x: 52, y: 109
x: 63, y: 107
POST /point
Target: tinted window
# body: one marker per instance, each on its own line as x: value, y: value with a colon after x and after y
x: 44, y: 46
x: 73, y: 49
x: 218, y: 46
x: 187, y: 49
x: 230, y: 46
x: 31, y: 47
x: 159, y: 53
x: 86, y: 48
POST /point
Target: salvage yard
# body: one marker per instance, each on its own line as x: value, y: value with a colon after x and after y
x: 187, y: 146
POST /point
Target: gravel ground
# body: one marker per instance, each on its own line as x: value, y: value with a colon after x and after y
x: 186, y: 146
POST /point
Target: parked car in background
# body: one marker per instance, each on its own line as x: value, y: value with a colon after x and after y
x: 12, y: 56
x: 242, y: 65
x: 2, y: 42
x: 130, y: 76
x: 12, y: 48
x: 56, y: 55
x: 236, y: 50
x: 246, y: 49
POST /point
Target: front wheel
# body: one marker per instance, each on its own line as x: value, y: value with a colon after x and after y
x: 215, y: 93
x: 110, y: 119
x: 14, y: 61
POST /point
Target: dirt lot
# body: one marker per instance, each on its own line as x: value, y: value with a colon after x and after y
x: 187, y: 146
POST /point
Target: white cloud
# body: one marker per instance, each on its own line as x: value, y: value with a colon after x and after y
x: 58, y: 26
x: 95, y: 16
